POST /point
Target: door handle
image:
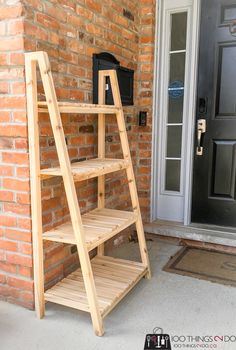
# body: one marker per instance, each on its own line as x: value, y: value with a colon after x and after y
x: 201, y: 129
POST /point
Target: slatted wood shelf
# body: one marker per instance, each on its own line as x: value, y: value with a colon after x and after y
x: 99, y: 226
x: 80, y: 108
x: 88, y: 169
x: 114, y: 278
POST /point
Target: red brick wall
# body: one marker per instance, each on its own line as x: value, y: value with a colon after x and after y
x: 70, y: 31
x: 147, y: 9
x: 15, y: 236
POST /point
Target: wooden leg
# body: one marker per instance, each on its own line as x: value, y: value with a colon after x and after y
x: 101, y: 149
x: 71, y: 195
x: 129, y: 171
x: 139, y: 223
x: 35, y: 183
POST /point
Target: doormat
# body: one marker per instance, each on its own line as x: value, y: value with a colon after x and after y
x: 204, y: 264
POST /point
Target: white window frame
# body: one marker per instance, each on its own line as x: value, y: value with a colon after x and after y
x: 160, y: 86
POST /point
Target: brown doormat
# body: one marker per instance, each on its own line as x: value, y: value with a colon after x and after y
x: 204, y: 264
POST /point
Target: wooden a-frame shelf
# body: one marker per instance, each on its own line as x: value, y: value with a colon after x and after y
x: 99, y: 284
x: 99, y: 225
x: 88, y: 169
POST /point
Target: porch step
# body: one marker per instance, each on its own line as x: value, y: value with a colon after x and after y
x: 202, y: 233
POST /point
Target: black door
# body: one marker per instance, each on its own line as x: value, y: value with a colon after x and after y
x: 214, y: 180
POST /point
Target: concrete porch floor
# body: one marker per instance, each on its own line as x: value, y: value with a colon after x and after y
x: 180, y: 305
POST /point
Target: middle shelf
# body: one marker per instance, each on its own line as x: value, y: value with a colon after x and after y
x: 99, y: 226
x: 88, y: 169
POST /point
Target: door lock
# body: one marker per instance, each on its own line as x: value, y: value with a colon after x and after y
x: 201, y: 129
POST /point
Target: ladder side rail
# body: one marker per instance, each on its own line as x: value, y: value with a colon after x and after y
x: 101, y: 146
x: 35, y: 184
x: 70, y: 189
x: 129, y: 170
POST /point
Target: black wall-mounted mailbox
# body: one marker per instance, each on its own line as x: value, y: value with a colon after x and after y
x: 103, y: 61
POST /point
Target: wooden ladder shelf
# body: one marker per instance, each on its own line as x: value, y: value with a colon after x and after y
x: 99, y: 284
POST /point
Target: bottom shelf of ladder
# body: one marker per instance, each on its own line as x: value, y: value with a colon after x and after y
x: 114, y: 278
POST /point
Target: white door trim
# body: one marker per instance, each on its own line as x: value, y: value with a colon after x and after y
x: 157, y: 121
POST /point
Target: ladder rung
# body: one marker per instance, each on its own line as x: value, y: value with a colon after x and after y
x: 99, y: 226
x: 72, y: 107
x: 88, y: 169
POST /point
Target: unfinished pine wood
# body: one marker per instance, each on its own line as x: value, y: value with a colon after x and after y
x: 129, y: 170
x: 114, y: 278
x: 80, y: 108
x: 101, y: 147
x: 69, y: 184
x: 88, y: 169
x: 98, y: 286
x: 35, y: 184
x: 99, y: 225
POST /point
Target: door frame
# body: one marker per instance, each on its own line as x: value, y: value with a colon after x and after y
x: 157, y: 120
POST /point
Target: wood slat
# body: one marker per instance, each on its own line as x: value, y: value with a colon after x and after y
x: 99, y: 225
x: 111, y: 284
x: 89, y: 168
x: 80, y: 108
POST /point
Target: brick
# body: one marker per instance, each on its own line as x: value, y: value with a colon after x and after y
x: 17, y: 58
x: 93, y: 5
x: 47, y: 21
x: 6, y: 267
x: 6, y: 196
x: 18, y: 235
x: 17, y: 208
x: 25, y: 248
x: 12, y: 102
x: 2, y: 255
x: 20, y: 283
x: 17, y: 185
x: 20, y: 302
x: 25, y: 271
x: 18, y: 88
x: 4, y: 87
x: 7, y: 220
x: 23, y: 198
x: 8, y: 245
x: 15, y: 158
x: 11, y: 43
x: 2, y: 279
x: 50, y: 204
x: 16, y: 27
x: 13, y: 130
x: 27, y: 296
x: 19, y: 260
x: 86, y: 129
x: 4, y: 116
x: 11, y: 12
x: 24, y: 223
x: 21, y: 144
x: 8, y: 291
x: 6, y: 143
x: 19, y: 117
x: 3, y: 59
x: 11, y: 73
x: 22, y: 172
x: 55, y: 273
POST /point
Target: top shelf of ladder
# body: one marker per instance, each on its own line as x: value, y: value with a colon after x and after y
x: 80, y: 108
